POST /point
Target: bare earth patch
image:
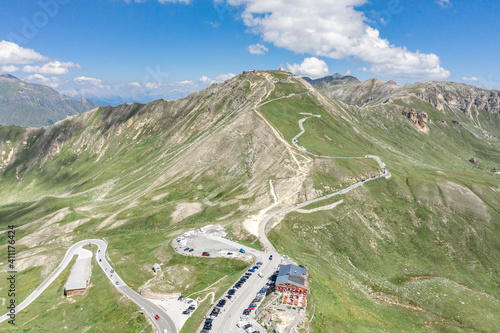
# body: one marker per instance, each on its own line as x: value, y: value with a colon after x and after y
x: 184, y: 210
x: 462, y: 199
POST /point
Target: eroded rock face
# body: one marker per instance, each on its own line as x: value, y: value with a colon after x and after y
x: 463, y: 97
x: 417, y: 118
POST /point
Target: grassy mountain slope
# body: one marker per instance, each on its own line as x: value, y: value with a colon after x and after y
x: 383, y: 259
x: 27, y: 104
x: 417, y: 252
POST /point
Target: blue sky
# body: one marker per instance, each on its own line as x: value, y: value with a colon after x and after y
x: 142, y: 50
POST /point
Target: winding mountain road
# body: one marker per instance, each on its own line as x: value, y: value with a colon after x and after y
x: 228, y: 319
x: 226, y: 322
x: 163, y: 324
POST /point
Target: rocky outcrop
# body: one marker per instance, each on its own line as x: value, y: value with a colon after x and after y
x: 417, y: 118
x: 368, y: 92
x: 460, y: 96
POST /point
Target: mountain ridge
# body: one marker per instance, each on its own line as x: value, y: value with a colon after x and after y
x: 376, y: 260
x: 28, y: 104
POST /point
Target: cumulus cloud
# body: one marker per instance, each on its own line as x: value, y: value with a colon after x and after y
x: 444, y: 3
x: 219, y: 79
x: 152, y: 85
x: 53, y: 81
x: 257, y: 49
x: 53, y: 67
x: 135, y: 84
x: 334, y: 29
x: 11, y: 53
x: 312, y: 67
x: 205, y: 79
x: 9, y: 68
x: 473, y: 78
x: 183, y: 83
x: 89, y: 80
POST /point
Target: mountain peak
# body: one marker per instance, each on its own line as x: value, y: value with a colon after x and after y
x: 8, y: 76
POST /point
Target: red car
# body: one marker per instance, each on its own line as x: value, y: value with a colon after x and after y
x: 157, y: 317
x: 251, y: 308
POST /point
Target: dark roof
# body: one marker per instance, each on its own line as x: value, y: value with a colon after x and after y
x: 292, y: 274
x: 292, y: 270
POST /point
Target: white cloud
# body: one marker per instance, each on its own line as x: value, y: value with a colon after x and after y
x: 473, y: 78
x: 219, y: 79
x: 135, y: 84
x: 9, y: 68
x: 11, y: 53
x: 444, y: 3
x: 224, y: 77
x: 312, y: 67
x: 52, y: 82
x: 152, y: 85
x: 334, y: 29
x: 89, y: 80
x: 205, y: 79
x: 53, y: 67
x: 257, y: 49
x: 183, y: 83
x: 348, y: 72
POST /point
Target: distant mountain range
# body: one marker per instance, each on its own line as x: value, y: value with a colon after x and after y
x: 27, y: 104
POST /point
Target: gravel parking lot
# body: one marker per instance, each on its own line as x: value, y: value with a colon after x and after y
x: 211, y: 239
x: 174, y: 308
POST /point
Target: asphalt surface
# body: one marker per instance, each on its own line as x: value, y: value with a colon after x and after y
x: 149, y: 308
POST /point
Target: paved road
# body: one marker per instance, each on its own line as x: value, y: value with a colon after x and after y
x: 151, y: 309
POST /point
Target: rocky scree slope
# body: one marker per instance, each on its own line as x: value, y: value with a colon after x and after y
x: 474, y: 108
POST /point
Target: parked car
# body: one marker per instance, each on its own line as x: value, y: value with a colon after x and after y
x: 271, y: 257
x: 191, y: 307
x: 259, y: 264
x: 186, y: 249
x: 230, y: 253
x: 191, y: 250
x: 242, y: 250
x: 205, y: 254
